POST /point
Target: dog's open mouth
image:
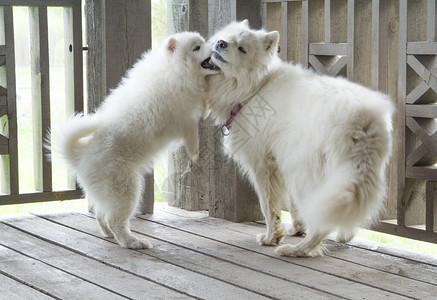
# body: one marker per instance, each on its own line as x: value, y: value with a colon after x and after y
x: 217, y: 56
x: 208, y: 64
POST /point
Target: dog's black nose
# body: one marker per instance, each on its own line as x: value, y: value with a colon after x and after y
x: 222, y: 44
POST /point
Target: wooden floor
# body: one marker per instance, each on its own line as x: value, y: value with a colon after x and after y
x: 63, y: 256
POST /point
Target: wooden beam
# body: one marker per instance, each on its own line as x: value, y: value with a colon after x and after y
x: 40, y: 197
x: 231, y: 197
x: 421, y: 110
x: 118, y: 32
x: 422, y: 48
x: 328, y: 49
x: 400, y: 159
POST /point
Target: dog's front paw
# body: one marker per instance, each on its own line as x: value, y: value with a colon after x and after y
x: 265, y: 240
x: 296, y: 251
x: 139, y: 244
x: 194, y: 156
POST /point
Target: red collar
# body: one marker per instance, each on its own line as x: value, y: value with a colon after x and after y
x: 228, y: 123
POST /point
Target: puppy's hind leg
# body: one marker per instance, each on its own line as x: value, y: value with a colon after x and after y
x: 124, y: 193
x: 191, y: 140
x: 106, y: 232
x: 311, y: 245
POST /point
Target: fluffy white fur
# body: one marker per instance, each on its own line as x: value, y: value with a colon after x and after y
x: 157, y: 102
x: 321, y: 154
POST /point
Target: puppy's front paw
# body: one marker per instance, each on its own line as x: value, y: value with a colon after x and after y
x: 264, y: 240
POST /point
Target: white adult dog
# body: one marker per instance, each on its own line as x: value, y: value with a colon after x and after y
x: 157, y: 102
x: 314, y: 144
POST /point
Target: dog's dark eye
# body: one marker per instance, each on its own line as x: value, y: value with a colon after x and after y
x: 242, y: 49
x: 197, y: 48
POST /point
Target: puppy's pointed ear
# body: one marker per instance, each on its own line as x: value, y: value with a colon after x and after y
x: 245, y: 23
x: 271, y: 40
x: 171, y: 45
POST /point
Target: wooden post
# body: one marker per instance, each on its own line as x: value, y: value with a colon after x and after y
x: 118, y: 32
x: 188, y: 183
x: 231, y: 196
x: 213, y: 182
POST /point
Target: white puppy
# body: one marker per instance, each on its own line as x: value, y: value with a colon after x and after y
x: 157, y: 102
x: 313, y: 144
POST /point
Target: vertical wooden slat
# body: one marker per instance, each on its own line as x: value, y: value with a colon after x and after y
x: 327, y: 21
x: 375, y: 44
x: 431, y: 205
x: 4, y: 130
x: 350, y: 38
x: 69, y: 75
x: 362, y: 42
x: 78, y: 56
x: 284, y: 31
x: 338, y: 21
x: 401, y: 110
x: 305, y: 42
x: 295, y: 31
x: 430, y: 30
x: 12, y: 105
x: 264, y: 14
x: 39, y: 56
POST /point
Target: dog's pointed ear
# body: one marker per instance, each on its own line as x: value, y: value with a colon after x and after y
x: 245, y: 22
x: 171, y: 44
x: 271, y: 40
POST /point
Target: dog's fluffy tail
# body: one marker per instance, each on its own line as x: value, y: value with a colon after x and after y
x: 355, y: 186
x: 70, y: 136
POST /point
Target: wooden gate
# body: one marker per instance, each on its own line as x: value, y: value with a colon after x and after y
x: 10, y: 193
x: 389, y: 45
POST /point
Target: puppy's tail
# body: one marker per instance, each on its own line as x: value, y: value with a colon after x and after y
x: 355, y: 184
x: 70, y: 137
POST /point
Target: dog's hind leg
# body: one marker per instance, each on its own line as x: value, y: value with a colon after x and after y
x: 296, y: 227
x: 271, y: 192
x: 311, y: 245
x: 345, y: 235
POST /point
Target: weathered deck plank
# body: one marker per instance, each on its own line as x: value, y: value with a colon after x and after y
x: 115, y: 280
x: 194, y: 256
x: 13, y: 289
x: 170, y: 247
x: 355, y: 270
x: 137, y: 262
x: 56, y: 283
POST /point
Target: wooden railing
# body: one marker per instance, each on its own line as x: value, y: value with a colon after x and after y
x: 390, y: 46
x: 40, y: 83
